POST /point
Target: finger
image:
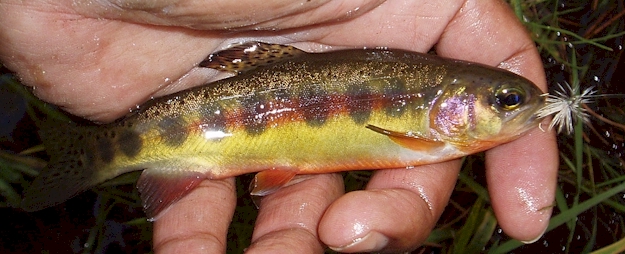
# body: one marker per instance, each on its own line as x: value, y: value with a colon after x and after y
x: 287, y: 220
x: 199, y: 222
x: 410, y: 25
x: 219, y: 15
x: 486, y: 32
x: 522, y: 181
x: 396, y: 212
x: 521, y: 174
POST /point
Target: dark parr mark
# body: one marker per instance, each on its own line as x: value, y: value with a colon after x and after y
x: 129, y: 143
x: 395, y: 101
x: 254, y: 114
x: 315, y: 106
x: 105, y: 149
x: 88, y: 154
x: 173, y: 130
x: 213, y: 118
x: 360, y: 102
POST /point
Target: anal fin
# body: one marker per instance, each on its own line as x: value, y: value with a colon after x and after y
x: 411, y: 142
x: 269, y: 181
x: 160, y: 188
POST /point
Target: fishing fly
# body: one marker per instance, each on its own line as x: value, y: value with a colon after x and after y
x: 568, y: 105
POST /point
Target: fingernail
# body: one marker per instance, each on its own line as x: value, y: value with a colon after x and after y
x: 373, y: 241
x: 535, y: 239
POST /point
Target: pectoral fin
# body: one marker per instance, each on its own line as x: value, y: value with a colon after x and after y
x: 411, y: 142
x: 159, y: 189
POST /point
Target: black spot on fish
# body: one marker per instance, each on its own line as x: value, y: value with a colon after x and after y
x: 254, y: 114
x: 88, y: 155
x: 173, y: 130
x: 129, y: 143
x: 111, y: 134
x: 315, y: 106
x: 360, y: 102
x: 395, y: 103
x: 105, y: 149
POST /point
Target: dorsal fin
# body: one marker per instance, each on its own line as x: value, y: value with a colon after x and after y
x: 250, y: 55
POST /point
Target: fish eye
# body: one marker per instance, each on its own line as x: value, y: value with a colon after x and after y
x: 509, y: 98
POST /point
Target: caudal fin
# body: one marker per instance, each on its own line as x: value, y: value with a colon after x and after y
x: 71, y: 170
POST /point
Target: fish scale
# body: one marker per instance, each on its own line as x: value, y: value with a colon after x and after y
x: 288, y: 112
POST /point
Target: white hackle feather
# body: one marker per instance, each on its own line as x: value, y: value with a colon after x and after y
x: 566, y: 107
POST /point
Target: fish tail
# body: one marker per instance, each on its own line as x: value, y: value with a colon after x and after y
x: 73, y: 166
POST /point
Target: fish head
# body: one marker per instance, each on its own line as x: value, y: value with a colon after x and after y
x: 479, y: 108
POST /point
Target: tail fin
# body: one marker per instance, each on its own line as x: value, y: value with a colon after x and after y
x: 72, y: 168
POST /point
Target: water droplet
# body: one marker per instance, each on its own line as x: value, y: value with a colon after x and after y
x: 551, y: 60
x: 424, y: 196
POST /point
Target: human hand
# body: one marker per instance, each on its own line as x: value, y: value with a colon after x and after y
x: 97, y: 61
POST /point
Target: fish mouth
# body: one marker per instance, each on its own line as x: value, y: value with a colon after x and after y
x: 526, y: 118
x: 541, y: 103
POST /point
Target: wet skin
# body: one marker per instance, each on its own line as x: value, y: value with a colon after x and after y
x: 98, y: 62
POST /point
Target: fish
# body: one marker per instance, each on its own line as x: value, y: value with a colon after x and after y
x: 286, y: 113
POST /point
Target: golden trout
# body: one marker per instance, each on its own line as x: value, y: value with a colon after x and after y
x: 288, y: 112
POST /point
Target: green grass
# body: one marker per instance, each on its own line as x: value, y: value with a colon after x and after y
x: 588, y: 202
